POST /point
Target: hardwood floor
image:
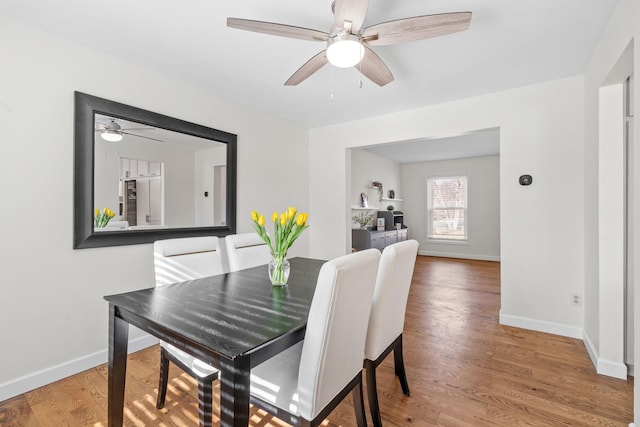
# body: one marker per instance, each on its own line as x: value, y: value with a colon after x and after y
x: 464, y: 369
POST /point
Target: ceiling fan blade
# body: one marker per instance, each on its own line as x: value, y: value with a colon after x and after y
x: 140, y: 136
x: 374, y: 68
x: 277, y: 29
x: 138, y: 129
x: 350, y: 10
x: 311, y: 66
x: 416, y: 28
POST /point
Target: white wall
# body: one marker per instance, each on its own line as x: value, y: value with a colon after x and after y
x: 602, y: 331
x: 541, y: 133
x: 483, y: 220
x: 53, y: 319
x: 366, y: 168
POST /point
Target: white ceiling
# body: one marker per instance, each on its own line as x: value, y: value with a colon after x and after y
x: 510, y: 43
x: 476, y: 144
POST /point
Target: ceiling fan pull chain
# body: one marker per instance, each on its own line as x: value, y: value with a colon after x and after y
x: 331, y: 83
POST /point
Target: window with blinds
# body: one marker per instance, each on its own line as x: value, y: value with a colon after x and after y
x: 447, y: 206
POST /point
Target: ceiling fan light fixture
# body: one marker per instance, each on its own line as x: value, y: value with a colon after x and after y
x: 344, y: 50
x: 111, y: 136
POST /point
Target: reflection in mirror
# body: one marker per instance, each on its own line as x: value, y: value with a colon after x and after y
x: 157, y: 176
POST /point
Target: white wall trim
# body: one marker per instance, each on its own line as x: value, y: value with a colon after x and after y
x: 457, y: 255
x: 604, y: 367
x: 591, y: 349
x: 47, y: 376
x: 612, y: 369
x: 541, y: 326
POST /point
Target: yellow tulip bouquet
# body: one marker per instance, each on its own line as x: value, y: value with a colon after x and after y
x: 288, y: 226
x: 101, y: 219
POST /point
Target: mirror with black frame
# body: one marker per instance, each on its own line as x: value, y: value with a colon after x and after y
x: 142, y: 176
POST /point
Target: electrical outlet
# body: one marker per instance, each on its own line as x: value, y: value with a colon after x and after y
x: 576, y: 300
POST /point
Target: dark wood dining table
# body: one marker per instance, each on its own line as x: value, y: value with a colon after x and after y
x: 233, y: 321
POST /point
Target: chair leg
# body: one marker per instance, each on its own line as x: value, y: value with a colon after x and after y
x: 358, y: 404
x: 164, y: 378
x: 399, y: 367
x: 205, y: 397
x: 372, y: 393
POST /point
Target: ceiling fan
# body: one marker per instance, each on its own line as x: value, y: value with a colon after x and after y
x: 347, y: 43
x: 113, y: 132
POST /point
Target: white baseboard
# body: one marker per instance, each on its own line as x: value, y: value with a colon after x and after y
x: 541, y: 326
x: 591, y: 349
x: 612, y: 369
x: 604, y: 367
x: 461, y: 256
x: 47, y: 376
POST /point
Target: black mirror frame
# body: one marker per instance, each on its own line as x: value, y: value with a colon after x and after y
x: 86, y: 106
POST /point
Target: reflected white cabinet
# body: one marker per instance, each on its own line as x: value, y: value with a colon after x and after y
x: 143, y: 168
x: 133, y: 168
x: 141, y: 192
x: 154, y: 168
x: 125, y: 166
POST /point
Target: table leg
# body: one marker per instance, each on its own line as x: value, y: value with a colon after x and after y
x: 118, y: 341
x: 234, y: 392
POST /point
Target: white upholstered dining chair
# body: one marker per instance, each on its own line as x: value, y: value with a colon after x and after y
x: 246, y: 250
x: 386, y: 322
x: 178, y: 260
x: 304, y: 383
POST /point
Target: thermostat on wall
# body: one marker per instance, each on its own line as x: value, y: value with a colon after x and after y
x: 526, y: 179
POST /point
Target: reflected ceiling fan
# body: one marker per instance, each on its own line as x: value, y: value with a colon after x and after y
x: 348, y: 43
x: 113, y: 132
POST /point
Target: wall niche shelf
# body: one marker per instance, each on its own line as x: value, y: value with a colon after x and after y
x: 360, y: 208
x: 386, y: 199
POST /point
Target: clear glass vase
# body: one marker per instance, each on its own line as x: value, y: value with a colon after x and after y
x: 279, y: 269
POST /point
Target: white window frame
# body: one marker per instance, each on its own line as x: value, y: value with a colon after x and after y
x: 442, y: 238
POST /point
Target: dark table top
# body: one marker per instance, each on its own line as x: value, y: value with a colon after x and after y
x: 231, y: 314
